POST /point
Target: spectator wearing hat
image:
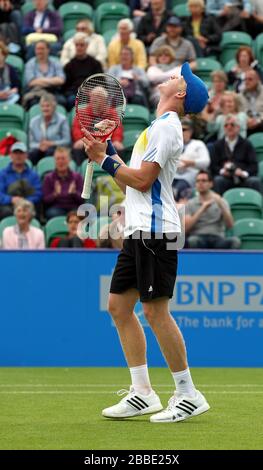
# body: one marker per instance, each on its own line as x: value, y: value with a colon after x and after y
x: 22, y: 235
x: 183, y: 48
x: 202, y: 30
x: 125, y: 38
x: 161, y: 71
x: 62, y: 187
x: 18, y: 181
x: 195, y: 157
x: 95, y: 45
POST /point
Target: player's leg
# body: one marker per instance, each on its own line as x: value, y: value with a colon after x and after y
x: 187, y: 400
x: 140, y: 399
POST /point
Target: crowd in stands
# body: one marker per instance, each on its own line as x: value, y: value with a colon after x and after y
x: 47, y: 50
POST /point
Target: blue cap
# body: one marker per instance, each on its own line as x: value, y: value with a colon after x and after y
x: 18, y: 147
x: 196, y: 92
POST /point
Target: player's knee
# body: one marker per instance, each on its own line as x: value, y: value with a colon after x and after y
x: 150, y: 312
x: 114, y: 308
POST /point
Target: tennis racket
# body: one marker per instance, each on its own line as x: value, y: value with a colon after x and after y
x: 100, y: 107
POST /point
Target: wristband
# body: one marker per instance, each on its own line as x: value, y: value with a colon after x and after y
x: 110, y: 165
x: 110, y: 150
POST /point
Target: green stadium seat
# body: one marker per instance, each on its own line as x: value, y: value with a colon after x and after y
x: 108, y: 35
x: 181, y: 10
x: 4, y: 161
x: 55, y: 227
x: 12, y: 116
x: 205, y: 66
x: 47, y: 164
x: 250, y: 232
x: 230, y: 43
x: 72, y: 12
x: 19, y: 135
x: 258, y: 48
x: 260, y: 171
x: 136, y: 118
x: 257, y: 142
x: 29, y: 6
x: 11, y: 220
x: 17, y: 63
x: 69, y: 34
x: 71, y: 115
x: 107, y: 16
x: 129, y: 140
x: 244, y: 202
x: 229, y: 65
x: 97, y: 3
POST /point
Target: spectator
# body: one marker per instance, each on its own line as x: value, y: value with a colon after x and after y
x: 207, y: 217
x: 245, y: 61
x: 125, y: 38
x: 79, y: 68
x: 183, y: 49
x: 164, y: 68
x: 133, y: 80
x: 72, y: 240
x: 18, y: 181
x: 233, y: 160
x: 216, y: 93
x: 252, y: 98
x: 9, y: 81
x: 195, y: 157
x: 255, y: 26
x: 231, y: 103
x: 42, y: 74
x: 98, y: 94
x: 202, y: 29
x: 112, y: 235
x: 11, y: 24
x: 48, y: 130
x: 23, y: 236
x: 95, y: 46
x: 138, y: 8
x: 152, y: 25
x: 62, y: 187
x: 230, y: 14
x: 41, y: 22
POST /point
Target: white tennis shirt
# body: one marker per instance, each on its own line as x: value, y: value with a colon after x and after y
x: 155, y: 209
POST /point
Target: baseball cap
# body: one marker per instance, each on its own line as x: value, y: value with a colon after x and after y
x: 18, y: 146
x: 174, y: 21
x: 196, y: 92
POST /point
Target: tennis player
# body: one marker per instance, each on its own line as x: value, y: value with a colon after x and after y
x: 146, y: 267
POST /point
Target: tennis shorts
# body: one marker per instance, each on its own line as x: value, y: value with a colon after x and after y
x: 147, y: 265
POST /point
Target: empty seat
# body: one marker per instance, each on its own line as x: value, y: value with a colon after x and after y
x: 257, y: 142
x: 244, y: 202
x: 55, y: 227
x: 12, y: 116
x: 72, y: 12
x: 230, y: 43
x: 136, y: 118
x: 205, y: 66
x: 250, y: 232
x: 107, y: 15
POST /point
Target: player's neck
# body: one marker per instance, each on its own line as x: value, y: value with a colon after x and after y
x: 164, y: 107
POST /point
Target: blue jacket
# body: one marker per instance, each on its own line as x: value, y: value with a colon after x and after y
x: 9, y: 176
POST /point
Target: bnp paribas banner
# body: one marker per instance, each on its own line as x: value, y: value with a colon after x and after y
x: 57, y: 313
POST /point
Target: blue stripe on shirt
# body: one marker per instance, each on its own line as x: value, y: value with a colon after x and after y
x: 150, y: 157
x: 156, y: 222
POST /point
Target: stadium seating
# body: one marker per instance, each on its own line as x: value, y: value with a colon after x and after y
x: 108, y: 35
x: 11, y: 220
x: 260, y: 171
x: 231, y: 41
x: 129, y: 140
x: 244, y: 202
x: 69, y: 34
x: 136, y: 118
x: 97, y: 3
x: 95, y: 227
x: 229, y: 65
x: 19, y: 135
x: 29, y: 6
x: 72, y: 12
x: 55, y: 227
x: 4, y: 161
x: 205, y: 66
x: 47, y: 164
x: 12, y: 116
x: 250, y: 232
x: 17, y: 63
x: 181, y: 10
x: 107, y: 16
x: 258, y: 48
x: 257, y: 142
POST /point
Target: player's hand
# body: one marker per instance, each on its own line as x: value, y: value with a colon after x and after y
x: 94, y: 148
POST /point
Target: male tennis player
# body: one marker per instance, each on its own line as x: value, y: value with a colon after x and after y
x: 146, y: 269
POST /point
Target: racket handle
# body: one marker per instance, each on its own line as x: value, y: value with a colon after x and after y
x: 87, y: 181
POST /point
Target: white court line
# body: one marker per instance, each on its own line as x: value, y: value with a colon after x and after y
x: 104, y: 392
x: 125, y: 385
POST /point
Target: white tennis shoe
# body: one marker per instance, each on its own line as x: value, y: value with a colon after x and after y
x: 181, y: 407
x: 134, y: 404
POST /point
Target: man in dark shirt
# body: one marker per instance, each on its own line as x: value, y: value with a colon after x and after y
x: 79, y: 68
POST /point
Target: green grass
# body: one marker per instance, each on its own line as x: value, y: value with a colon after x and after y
x: 57, y: 408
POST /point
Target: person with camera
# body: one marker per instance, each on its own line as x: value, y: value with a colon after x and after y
x: 233, y: 159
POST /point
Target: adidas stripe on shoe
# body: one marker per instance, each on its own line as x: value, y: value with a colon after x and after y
x: 134, y: 404
x: 181, y: 407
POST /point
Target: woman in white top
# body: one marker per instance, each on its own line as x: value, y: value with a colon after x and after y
x: 23, y: 236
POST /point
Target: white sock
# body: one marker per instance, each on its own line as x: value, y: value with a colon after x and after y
x: 183, y: 383
x: 140, y: 379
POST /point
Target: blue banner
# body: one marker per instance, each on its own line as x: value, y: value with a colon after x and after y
x: 54, y: 309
